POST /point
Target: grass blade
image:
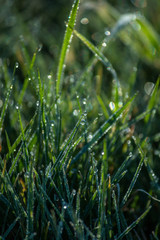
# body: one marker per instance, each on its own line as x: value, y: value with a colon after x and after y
x: 66, y: 43
x: 134, y: 177
x: 128, y: 229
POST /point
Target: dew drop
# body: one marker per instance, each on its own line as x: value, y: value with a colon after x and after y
x: 107, y: 33
x: 84, y: 101
x: 40, y: 47
x: 104, y: 44
x: 112, y: 105
x: 17, y: 65
x: 49, y: 76
x: 37, y: 103
x: 83, y: 121
x: 73, y: 192
x: 75, y: 112
x: 148, y: 87
x: 84, y: 21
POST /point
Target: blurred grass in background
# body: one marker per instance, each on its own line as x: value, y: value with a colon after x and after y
x: 31, y: 36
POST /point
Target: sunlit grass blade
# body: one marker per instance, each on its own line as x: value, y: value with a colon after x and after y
x: 97, y: 53
x: 65, y: 46
x: 129, y: 228
x: 103, y: 129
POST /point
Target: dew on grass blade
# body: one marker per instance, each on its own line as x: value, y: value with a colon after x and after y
x: 112, y: 105
x: 75, y: 112
x: 84, y: 101
x: 49, y: 76
x: 84, y: 21
x: 107, y: 33
x: 148, y: 87
x: 17, y: 65
x: 104, y: 44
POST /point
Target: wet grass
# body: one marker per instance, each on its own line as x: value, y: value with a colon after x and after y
x: 79, y: 146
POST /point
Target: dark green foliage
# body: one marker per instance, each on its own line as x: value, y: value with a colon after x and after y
x: 79, y: 129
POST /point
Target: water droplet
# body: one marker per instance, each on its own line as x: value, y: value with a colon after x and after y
x: 83, y: 121
x: 148, y: 87
x: 49, y: 76
x: 112, y: 105
x: 75, y: 112
x: 84, y: 101
x: 84, y: 21
x: 40, y: 47
x: 104, y: 44
x: 37, y: 103
x: 17, y: 107
x: 107, y: 33
x: 90, y: 137
x: 29, y: 79
x: 120, y: 104
x: 17, y: 65
x: 102, y: 153
x: 65, y: 206
x: 73, y: 192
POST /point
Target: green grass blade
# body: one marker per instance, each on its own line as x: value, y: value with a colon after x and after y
x: 19, y: 138
x: 66, y: 43
x: 97, y: 53
x: 103, y: 129
x: 129, y: 228
x: 10, y: 228
x: 4, y: 109
x: 105, y: 112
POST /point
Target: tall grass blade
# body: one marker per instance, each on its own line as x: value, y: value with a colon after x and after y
x: 129, y: 228
x: 5, y: 235
x: 65, y: 46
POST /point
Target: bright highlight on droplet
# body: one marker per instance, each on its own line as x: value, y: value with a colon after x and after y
x: 84, y: 21
x: 107, y: 33
x: 148, y: 87
x: 104, y: 44
x: 139, y: 3
x: 112, y: 105
x: 49, y: 76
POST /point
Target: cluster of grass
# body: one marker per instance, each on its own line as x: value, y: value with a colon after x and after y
x: 79, y: 146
